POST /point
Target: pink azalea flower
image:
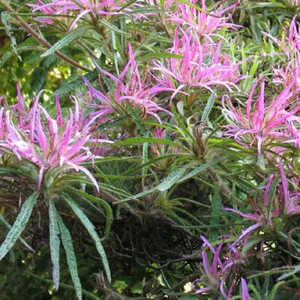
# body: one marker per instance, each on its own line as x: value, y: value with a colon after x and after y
x: 131, y: 88
x: 201, y: 65
x: 46, y: 142
x: 263, y: 122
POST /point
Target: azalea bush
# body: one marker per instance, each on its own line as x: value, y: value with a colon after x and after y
x: 150, y: 149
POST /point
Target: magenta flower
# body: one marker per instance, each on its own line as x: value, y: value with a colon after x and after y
x: 262, y: 122
x: 201, y: 65
x: 261, y: 214
x: 245, y: 292
x: 216, y: 272
x: 46, y: 142
x: 290, y: 44
x: 77, y: 9
x: 130, y: 87
x: 291, y: 47
x: 201, y: 22
x: 290, y: 73
x: 291, y: 200
x: 295, y: 2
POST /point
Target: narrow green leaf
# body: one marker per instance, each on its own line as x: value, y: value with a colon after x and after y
x: 7, y: 225
x: 208, y: 107
x: 19, y: 225
x: 141, y: 140
x: 171, y: 179
x: 109, y: 213
x: 5, y: 18
x: 286, y: 275
x: 66, y: 40
x: 112, y: 27
x: 216, y: 205
x: 71, y: 257
x: 91, y: 230
x: 54, y: 243
x: 200, y: 169
x: 254, y: 66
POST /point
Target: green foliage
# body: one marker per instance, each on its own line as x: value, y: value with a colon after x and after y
x: 168, y: 175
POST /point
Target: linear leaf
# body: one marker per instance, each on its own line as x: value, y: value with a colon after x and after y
x: 171, y: 179
x: 141, y: 140
x: 216, y: 205
x: 112, y: 27
x: 71, y: 257
x: 91, y: 230
x: 109, y: 213
x: 5, y: 18
x: 54, y: 243
x: 199, y: 169
x: 7, y: 225
x: 19, y: 225
x: 208, y: 107
x: 66, y: 40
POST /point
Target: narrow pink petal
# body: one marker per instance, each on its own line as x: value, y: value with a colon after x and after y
x: 40, y: 179
x: 206, y: 265
x: 74, y: 22
x: 59, y: 118
x: 88, y: 174
x: 245, y: 292
x: 42, y: 140
x: 284, y: 186
x: 249, y: 102
x: 260, y: 106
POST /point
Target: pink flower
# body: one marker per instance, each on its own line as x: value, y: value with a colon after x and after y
x: 295, y: 2
x: 46, y: 142
x: 262, y: 122
x: 202, y: 22
x: 77, y: 9
x: 200, y: 65
x: 290, y: 43
x: 291, y: 199
x: 129, y: 87
x: 285, y: 75
x: 216, y: 272
x: 291, y: 47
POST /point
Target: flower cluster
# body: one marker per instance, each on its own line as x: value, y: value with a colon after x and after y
x: 77, y: 9
x: 130, y: 88
x: 200, y: 21
x: 198, y: 65
x: 46, y: 142
x: 216, y: 274
x: 266, y: 121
